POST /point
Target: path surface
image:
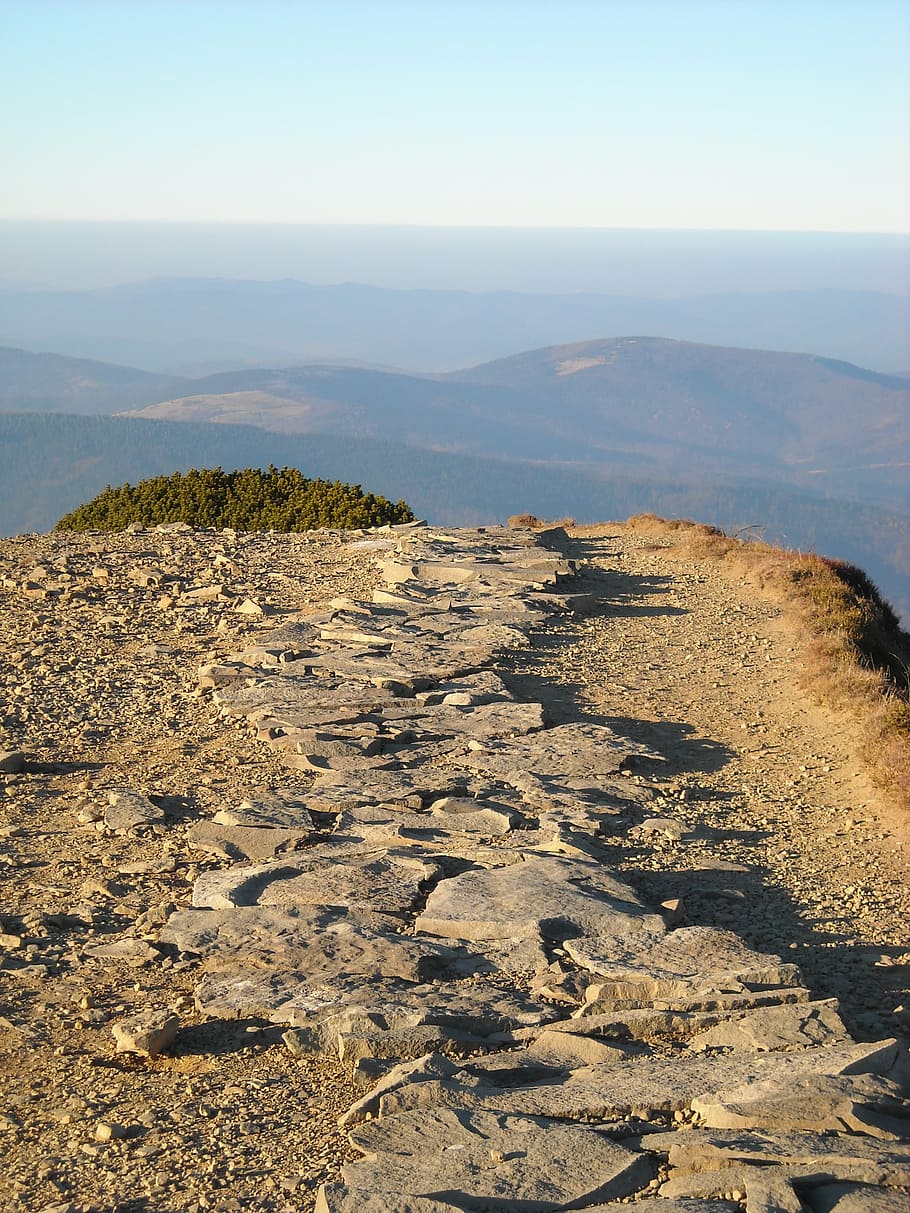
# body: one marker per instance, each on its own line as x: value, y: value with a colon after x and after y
x: 702, y: 663
x: 429, y: 833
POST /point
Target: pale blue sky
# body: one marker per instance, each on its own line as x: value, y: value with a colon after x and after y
x: 740, y: 114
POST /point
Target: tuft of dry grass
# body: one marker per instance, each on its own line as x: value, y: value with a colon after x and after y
x: 856, y: 656
x: 532, y: 522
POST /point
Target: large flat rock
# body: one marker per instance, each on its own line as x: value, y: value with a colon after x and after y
x: 566, y: 750
x: 655, y: 1084
x: 868, y: 1160
x: 379, y: 881
x: 551, y: 900
x: 270, y: 961
x: 479, y: 1160
x: 786, y: 1026
x: 681, y: 965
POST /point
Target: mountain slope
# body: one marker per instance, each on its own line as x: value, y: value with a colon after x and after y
x: 670, y: 407
x: 758, y: 406
x: 663, y: 407
x: 38, y: 382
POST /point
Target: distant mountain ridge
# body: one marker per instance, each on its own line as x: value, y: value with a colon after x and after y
x: 188, y: 325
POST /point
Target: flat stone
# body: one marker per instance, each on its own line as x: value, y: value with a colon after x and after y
x: 769, y: 1029
x: 392, y: 1022
x: 414, y: 789
x: 299, y: 700
x: 820, y: 1102
x: 135, y: 951
x: 421, y: 1069
x: 130, y: 810
x: 466, y: 815
x: 684, y: 963
x: 541, y: 899
x: 569, y: 749
x: 856, y: 1198
x: 525, y: 1163
x: 654, y: 1084
x: 288, y: 965
x: 250, y: 607
x: 243, y: 842
x: 475, y: 689
x: 714, y: 1149
x: 766, y: 1190
x: 381, y: 881
x: 271, y: 810
x: 574, y: 1052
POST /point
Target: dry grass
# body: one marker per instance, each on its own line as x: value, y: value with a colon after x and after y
x: 533, y: 523
x: 856, y: 657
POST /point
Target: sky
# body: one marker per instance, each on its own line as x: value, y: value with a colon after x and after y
x: 749, y: 115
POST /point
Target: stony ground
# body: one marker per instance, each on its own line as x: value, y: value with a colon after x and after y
x: 100, y: 641
x: 770, y: 827
x: 699, y: 662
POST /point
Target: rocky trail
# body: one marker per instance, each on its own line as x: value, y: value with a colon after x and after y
x: 421, y: 870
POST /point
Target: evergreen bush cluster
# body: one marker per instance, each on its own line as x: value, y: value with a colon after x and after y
x: 247, y: 500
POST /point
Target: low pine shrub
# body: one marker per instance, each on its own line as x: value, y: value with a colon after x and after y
x: 248, y: 500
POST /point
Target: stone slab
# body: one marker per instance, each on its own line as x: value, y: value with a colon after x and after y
x: 857, y: 1198
x: 817, y: 1102
x: 569, y: 749
x: 545, y: 900
x: 649, y: 1085
x: 712, y: 1149
x: 379, y: 881
x: 527, y: 1163
x: 269, y: 810
x: 241, y: 843
x: 682, y: 964
x: 776, y: 1028
x: 128, y: 810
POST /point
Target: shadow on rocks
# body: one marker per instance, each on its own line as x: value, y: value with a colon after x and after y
x: 624, y: 595
x: 218, y: 1037
x: 565, y: 701
x: 765, y: 916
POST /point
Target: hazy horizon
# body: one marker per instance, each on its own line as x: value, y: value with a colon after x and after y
x: 649, y: 262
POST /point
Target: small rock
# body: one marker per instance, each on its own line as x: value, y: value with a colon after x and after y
x: 147, y: 1033
x: 108, y: 1132
x: 11, y: 762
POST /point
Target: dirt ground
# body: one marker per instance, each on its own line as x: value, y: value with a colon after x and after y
x: 704, y: 664
x: 772, y: 827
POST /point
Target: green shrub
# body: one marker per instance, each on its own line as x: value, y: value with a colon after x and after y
x: 247, y: 500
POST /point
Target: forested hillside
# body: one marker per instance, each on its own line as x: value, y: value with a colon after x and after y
x: 51, y: 464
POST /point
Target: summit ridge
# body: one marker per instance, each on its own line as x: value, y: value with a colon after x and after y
x: 523, y: 929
